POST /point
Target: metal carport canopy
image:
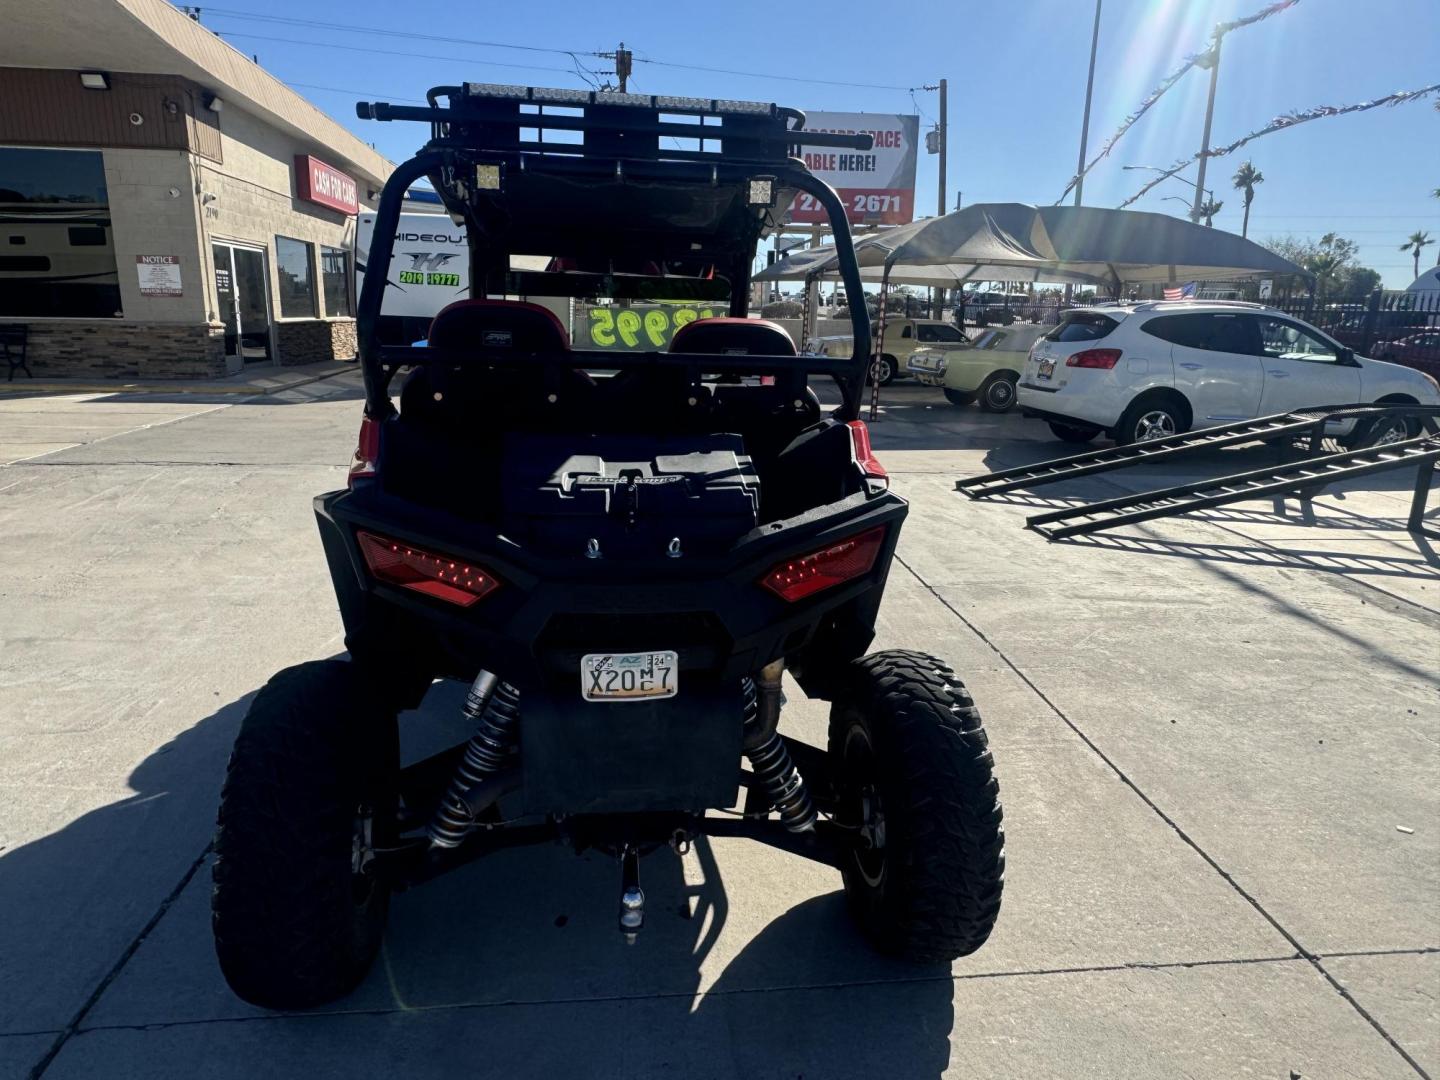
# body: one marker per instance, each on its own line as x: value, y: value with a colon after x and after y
x: 1015, y: 241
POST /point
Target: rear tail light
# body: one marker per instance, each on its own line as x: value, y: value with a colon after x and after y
x: 795, y: 579
x: 1095, y: 358
x: 442, y: 576
x: 876, y: 478
x: 367, y: 451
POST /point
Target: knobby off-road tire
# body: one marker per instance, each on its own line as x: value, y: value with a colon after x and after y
x: 295, y: 923
x: 906, y: 728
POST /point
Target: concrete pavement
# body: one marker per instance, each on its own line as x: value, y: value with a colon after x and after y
x: 1209, y: 734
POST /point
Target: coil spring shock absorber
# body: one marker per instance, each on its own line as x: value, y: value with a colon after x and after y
x: 495, y: 707
x: 775, y: 773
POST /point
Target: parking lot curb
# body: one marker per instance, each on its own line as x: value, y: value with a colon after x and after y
x: 248, y: 389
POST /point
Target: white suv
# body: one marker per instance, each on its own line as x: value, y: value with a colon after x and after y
x: 1146, y: 370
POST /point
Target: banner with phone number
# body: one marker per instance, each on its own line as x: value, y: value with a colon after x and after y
x: 877, y: 186
x: 639, y: 327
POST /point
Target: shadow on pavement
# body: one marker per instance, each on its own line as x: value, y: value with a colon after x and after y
x: 76, y: 900
x: 1423, y: 566
x: 106, y: 928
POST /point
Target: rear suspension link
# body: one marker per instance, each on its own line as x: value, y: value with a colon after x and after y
x: 495, y: 707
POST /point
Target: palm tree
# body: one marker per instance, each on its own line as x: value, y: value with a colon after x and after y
x: 1417, y: 241
x: 1326, y: 266
x: 1208, y: 209
x: 1245, y: 179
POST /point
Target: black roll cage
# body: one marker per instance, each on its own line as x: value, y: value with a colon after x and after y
x: 767, y: 142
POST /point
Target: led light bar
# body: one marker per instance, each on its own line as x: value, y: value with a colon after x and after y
x: 752, y: 108
x: 549, y: 95
x: 614, y: 97
x: 683, y: 104
x: 497, y: 90
x: 554, y: 96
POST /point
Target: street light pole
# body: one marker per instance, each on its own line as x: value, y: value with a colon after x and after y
x: 1085, y: 123
x: 939, y: 312
x: 1213, y: 63
x: 1209, y: 194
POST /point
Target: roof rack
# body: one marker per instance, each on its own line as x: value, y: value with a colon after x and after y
x: 1153, y: 305
x: 496, y: 117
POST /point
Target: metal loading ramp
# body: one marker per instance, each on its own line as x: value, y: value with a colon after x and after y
x: 1299, y: 433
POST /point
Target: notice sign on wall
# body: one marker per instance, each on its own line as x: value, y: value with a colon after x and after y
x: 877, y: 185
x: 159, y: 275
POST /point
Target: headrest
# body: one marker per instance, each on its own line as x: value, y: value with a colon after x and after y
x: 743, y: 337
x: 498, y: 324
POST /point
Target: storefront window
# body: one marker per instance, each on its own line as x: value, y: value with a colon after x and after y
x: 297, y: 278
x: 335, y: 277
x: 57, y: 254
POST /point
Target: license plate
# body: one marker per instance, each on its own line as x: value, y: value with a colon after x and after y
x: 629, y: 676
x: 1046, y: 369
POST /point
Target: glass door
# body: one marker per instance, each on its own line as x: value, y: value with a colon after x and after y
x: 244, y: 303
x: 225, y: 296
x: 253, y: 304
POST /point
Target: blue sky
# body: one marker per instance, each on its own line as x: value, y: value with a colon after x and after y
x: 1016, y: 73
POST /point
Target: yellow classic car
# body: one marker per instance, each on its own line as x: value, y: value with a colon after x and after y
x: 985, y: 369
x: 903, y: 336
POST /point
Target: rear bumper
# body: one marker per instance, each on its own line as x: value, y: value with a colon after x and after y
x: 1057, y: 418
x: 1063, y: 405
x: 548, y: 612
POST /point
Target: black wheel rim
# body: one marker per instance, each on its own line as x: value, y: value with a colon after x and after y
x: 861, y: 803
x: 1001, y: 393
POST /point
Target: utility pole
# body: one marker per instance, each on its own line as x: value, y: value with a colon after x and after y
x: 1212, y: 61
x: 944, y: 124
x: 937, y: 142
x: 622, y: 65
x: 1085, y: 123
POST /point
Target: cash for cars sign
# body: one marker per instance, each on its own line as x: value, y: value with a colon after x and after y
x: 877, y: 186
x: 325, y: 185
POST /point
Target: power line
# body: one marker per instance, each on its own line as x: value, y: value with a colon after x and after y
x: 1284, y: 123
x: 391, y: 52
x: 1205, y: 58
x: 231, y: 13
x: 331, y: 27
x: 915, y: 101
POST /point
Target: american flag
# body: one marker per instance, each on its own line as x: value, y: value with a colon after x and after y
x: 1181, y: 292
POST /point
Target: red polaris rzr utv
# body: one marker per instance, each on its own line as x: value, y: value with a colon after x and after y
x: 620, y: 552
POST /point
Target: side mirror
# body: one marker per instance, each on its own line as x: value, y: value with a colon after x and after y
x: 1346, y: 356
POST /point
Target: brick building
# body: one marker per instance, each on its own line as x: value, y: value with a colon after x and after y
x: 167, y: 207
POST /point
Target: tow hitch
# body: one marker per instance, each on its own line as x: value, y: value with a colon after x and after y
x: 632, y: 897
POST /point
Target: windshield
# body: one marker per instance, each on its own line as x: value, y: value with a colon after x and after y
x: 1082, y: 326
x: 939, y: 332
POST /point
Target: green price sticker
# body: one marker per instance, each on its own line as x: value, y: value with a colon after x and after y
x: 615, y: 327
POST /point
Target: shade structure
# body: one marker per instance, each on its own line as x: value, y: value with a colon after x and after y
x: 956, y: 275
x: 1015, y: 241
